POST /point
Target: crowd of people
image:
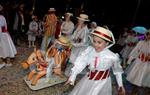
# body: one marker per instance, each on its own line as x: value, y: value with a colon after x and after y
x: 89, y: 48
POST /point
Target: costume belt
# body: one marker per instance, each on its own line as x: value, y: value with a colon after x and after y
x: 98, y: 75
x: 4, y: 29
x: 144, y: 58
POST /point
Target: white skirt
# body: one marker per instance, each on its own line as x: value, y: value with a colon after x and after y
x: 92, y: 87
x: 126, y: 51
x: 139, y: 73
x: 7, y: 47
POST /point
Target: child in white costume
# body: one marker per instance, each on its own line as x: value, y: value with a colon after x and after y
x: 7, y: 48
x: 130, y: 43
x: 79, y: 39
x: 139, y: 72
x: 99, y: 59
x: 33, y: 30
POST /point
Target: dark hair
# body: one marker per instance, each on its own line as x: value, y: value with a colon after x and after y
x: 146, y: 34
x: 1, y: 12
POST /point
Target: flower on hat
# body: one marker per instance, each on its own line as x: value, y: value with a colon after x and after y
x: 83, y: 17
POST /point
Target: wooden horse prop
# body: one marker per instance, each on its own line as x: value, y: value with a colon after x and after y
x: 37, y: 66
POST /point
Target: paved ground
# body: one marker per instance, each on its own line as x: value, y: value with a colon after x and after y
x: 12, y: 83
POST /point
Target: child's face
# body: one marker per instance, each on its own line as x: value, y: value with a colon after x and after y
x: 98, y: 43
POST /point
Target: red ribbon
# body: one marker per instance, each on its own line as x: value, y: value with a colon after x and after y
x: 102, y: 34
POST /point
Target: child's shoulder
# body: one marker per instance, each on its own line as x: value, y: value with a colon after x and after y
x: 110, y: 53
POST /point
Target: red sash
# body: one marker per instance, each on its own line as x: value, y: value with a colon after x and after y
x: 4, y: 29
x: 98, y: 75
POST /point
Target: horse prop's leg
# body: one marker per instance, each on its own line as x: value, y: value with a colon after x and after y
x: 38, y: 76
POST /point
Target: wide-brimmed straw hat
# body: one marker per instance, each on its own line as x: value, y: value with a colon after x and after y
x: 1, y: 7
x: 51, y: 10
x: 69, y: 14
x: 104, y: 34
x: 63, y: 41
x: 83, y: 17
x: 33, y: 17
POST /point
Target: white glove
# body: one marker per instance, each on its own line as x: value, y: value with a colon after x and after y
x: 74, y: 44
x: 129, y: 60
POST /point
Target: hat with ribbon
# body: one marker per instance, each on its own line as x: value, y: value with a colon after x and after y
x: 104, y: 33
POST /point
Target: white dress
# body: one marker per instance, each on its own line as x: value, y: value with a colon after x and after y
x: 79, y: 40
x: 33, y: 29
x: 130, y: 44
x: 67, y: 28
x: 105, y: 60
x: 139, y: 71
x: 7, y: 48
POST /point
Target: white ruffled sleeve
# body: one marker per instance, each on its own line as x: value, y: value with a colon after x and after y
x: 117, y: 70
x: 0, y: 34
x: 80, y: 63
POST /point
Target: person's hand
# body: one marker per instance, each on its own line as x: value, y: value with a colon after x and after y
x: 68, y: 82
x: 129, y: 61
x: 121, y: 91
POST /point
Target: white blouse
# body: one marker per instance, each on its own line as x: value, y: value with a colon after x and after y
x: 105, y: 60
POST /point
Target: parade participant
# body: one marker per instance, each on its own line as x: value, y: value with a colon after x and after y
x: 19, y: 27
x: 32, y: 32
x: 93, y: 25
x: 67, y: 26
x: 79, y: 38
x: 139, y: 63
x: 122, y: 38
x: 7, y: 48
x: 56, y: 57
x: 49, y: 28
x: 99, y: 59
x: 40, y: 31
x: 130, y: 43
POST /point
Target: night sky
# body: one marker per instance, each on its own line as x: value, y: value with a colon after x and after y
x: 117, y: 12
x: 122, y: 12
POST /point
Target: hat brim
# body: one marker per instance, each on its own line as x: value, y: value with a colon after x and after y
x: 51, y: 10
x: 62, y: 43
x: 83, y: 19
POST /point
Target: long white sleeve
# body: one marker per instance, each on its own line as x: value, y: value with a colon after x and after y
x: 117, y: 70
x: 80, y: 63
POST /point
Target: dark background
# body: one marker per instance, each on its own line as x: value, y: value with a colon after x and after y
x: 109, y: 12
